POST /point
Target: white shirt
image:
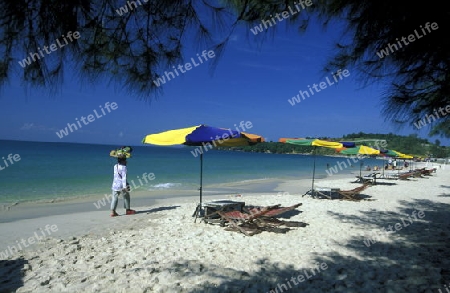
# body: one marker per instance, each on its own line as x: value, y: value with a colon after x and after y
x: 120, y: 177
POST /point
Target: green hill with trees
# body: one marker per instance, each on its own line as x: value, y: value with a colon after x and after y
x: 411, y: 145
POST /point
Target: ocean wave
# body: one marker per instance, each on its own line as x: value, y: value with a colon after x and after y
x: 165, y: 185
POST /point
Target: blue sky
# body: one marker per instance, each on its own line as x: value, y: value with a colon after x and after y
x: 250, y: 83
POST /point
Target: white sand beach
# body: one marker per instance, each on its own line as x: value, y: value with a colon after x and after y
x: 161, y: 249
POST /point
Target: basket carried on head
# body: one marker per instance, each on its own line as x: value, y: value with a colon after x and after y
x: 123, y: 152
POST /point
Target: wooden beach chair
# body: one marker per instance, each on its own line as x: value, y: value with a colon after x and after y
x: 258, y: 219
x: 352, y: 194
x: 420, y: 173
x: 211, y: 208
x: 269, y: 220
x: 407, y: 175
x: 417, y: 174
x: 427, y: 172
x: 243, y: 222
x: 322, y: 192
x: 273, y: 211
x: 371, y: 178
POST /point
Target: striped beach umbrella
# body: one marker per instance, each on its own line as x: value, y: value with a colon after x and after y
x: 360, y: 150
x: 205, y: 137
x: 315, y: 143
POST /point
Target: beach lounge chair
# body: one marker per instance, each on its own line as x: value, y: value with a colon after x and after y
x: 269, y: 220
x: 257, y: 219
x: 416, y: 174
x: 422, y: 171
x: 352, y: 194
x: 244, y: 222
x: 322, y: 192
x: 407, y: 175
x: 371, y: 178
x: 273, y: 211
x: 427, y: 172
x: 210, y: 209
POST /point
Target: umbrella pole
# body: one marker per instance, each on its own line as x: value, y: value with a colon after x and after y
x: 201, y: 178
x: 360, y: 168
x: 314, y: 172
x: 199, y: 206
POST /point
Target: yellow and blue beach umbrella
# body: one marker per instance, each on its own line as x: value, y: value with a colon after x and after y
x: 202, y: 136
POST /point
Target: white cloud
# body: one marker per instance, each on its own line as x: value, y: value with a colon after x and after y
x: 32, y: 126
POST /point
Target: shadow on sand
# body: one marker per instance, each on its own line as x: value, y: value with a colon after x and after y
x: 11, y: 272
x: 410, y: 260
x: 385, y: 183
x: 154, y: 210
x: 415, y: 258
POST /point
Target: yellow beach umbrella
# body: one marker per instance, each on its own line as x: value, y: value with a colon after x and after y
x: 315, y: 143
x: 403, y: 156
x: 360, y: 150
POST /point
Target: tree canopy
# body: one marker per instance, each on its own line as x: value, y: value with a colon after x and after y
x: 404, y: 47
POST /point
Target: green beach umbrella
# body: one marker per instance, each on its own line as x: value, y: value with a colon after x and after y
x: 314, y: 143
x: 360, y: 150
x: 388, y: 153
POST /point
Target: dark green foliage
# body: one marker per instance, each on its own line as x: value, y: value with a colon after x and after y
x: 416, y: 76
x: 281, y: 148
x: 411, y: 144
x: 273, y: 147
x: 133, y: 49
x: 130, y: 50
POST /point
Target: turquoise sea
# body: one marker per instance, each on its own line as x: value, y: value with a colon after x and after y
x: 68, y: 170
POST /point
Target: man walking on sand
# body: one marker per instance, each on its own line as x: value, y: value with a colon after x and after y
x: 120, y: 186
